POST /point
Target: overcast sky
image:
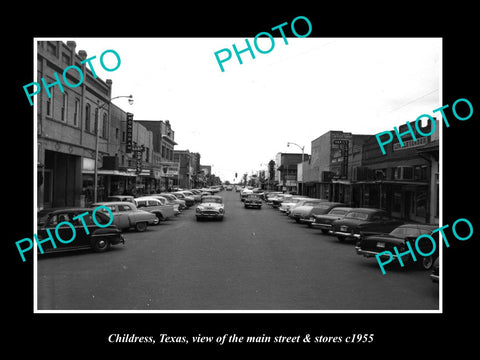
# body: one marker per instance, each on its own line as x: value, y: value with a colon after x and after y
x: 238, y: 120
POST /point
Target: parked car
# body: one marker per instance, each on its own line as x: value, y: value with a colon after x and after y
x: 196, y: 197
x: 155, y: 206
x: 370, y: 246
x: 435, y: 275
x: 128, y: 198
x: 197, y: 194
x: 276, y: 201
x: 97, y: 238
x: 253, y: 201
x: 189, y: 200
x: 305, y: 210
x: 369, y: 221
x: 318, y: 209
x: 211, y: 207
x: 126, y: 215
x: 181, y: 203
x: 229, y: 188
x: 291, y: 202
x: 165, y: 201
x: 324, y: 221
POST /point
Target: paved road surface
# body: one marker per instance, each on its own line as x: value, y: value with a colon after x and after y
x: 253, y: 260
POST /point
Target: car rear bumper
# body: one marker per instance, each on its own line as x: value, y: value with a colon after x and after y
x: 345, y: 234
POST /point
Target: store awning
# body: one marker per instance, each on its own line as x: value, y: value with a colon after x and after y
x: 109, y: 172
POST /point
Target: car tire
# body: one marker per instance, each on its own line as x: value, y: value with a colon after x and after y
x: 325, y: 231
x: 157, y: 220
x: 341, y: 238
x: 141, y: 226
x: 101, y: 244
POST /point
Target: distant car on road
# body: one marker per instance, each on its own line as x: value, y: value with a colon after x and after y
x: 99, y: 239
x: 126, y: 215
x: 211, y: 207
x: 368, y: 221
x: 253, y: 201
x: 370, y: 246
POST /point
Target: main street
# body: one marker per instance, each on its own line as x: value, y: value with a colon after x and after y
x: 252, y: 260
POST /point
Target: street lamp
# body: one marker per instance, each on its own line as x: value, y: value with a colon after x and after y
x: 95, y: 177
x: 303, y: 158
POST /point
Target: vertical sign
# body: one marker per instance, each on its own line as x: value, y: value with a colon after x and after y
x: 129, y: 134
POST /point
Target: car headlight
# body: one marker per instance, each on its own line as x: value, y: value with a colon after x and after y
x: 220, y: 211
x: 198, y: 209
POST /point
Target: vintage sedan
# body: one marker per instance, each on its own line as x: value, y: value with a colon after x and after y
x: 211, y: 207
x: 127, y: 215
x: 368, y: 221
x: 288, y: 203
x: 305, y: 210
x: 319, y: 209
x: 370, y: 246
x: 324, y: 221
x: 189, y: 200
x: 277, y: 201
x: 172, y: 198
x: 253, y: 201
x: 154, y: 205
x: 97, y: 238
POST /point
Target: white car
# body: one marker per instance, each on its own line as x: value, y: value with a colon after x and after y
x: 157, y: 206
x: 290, y: 203
x: 126, y: 215
x: 211, y: 207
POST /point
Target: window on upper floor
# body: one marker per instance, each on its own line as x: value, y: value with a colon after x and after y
x: 87, y: 117
x: 64, y: 110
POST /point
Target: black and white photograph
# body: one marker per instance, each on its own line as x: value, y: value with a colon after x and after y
x: 223, y: 181
x: 261, y: 186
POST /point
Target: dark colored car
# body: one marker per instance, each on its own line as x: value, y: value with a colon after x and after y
x: 325, y: 221
x: 368, y: 221
x: 96, y: 238
x: 253, y: 201
x: 372, y: 245
x: 318, y: 209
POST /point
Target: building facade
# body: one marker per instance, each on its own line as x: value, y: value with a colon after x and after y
x: 70, y: 123
x: 165, y: 169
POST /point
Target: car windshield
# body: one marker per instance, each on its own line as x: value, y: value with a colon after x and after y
x: 357, y: 215
x: 208, y: 199
x: 405, y: 231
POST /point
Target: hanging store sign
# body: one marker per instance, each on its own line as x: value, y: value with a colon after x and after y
x: 129, y: 133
